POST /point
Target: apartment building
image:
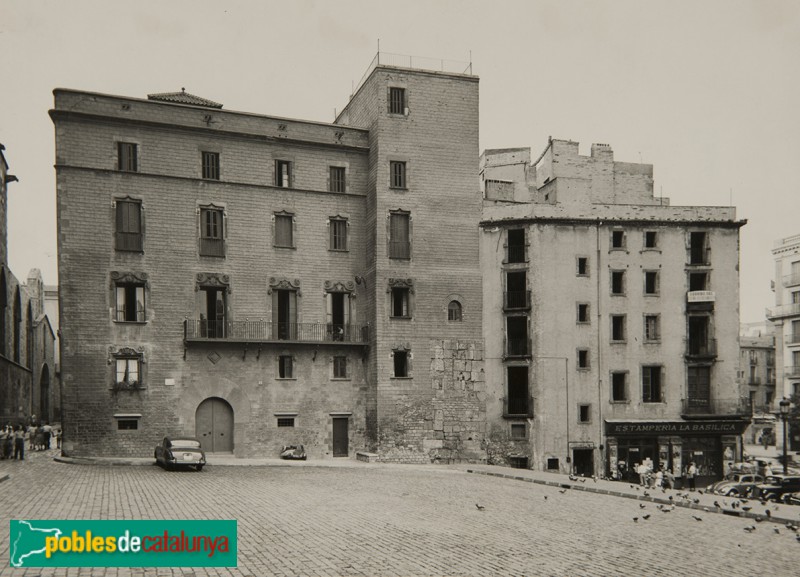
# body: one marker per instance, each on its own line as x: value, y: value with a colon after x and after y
x: 757, y: 379
x: 785, y: 315
x: 610, y: 317
x: 27, y: 388
x: 258, y: 281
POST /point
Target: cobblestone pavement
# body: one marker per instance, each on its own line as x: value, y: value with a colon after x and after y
x: 395, y: 520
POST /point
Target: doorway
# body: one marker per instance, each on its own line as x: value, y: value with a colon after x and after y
x: 583, y: 462
x: 341, y: 438
x: 214, y: 425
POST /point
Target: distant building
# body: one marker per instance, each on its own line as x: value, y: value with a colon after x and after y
x: 757, y: 379
x: 260, y: 281
x: 27, y: 381
x: 610, y: 317
x: 786, y: 317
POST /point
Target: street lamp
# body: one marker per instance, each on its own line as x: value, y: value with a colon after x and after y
x: 784, y: 404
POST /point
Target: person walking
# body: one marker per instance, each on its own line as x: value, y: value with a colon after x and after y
x: 19, y: 443
x: 47, y: 431
x: 691, y: 473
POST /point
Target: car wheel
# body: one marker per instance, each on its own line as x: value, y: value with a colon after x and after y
x: 199, y: 468
x: 732, y: 493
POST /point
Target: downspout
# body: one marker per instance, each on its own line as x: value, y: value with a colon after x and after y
x: 599, y: 354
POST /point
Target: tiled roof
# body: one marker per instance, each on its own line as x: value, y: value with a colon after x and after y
x: 184, y: 97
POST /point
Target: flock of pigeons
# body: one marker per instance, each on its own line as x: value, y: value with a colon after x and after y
x: 687, y: 498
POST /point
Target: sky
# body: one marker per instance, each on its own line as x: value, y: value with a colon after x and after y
x: 706, y: 91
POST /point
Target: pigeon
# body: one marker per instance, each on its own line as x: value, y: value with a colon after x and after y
x: 700, y: 491
x: 696, y: 500
x: 636, y: 519
x: 562, y: 491
x: 750, y: 529
x: 545, y: 497
x: 480, y: 507
x: 646, y: 517
x: 746, y: 508
x: 759, y: 519
x: 768, y: 513
x: 705, y: 509
x: 582, y: 480
x: 777, y: 531
x: 717, y: 505
x: 642, y: 505
x: 572, y: 477
x: 670, y: 498
x: 646, y: 494
x: 696, y: 518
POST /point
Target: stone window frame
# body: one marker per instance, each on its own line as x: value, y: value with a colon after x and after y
x: 292, y: 229
x: 116, y: 354
x: 329, y: 224
x: 127, y: 279
x: 401, y: 284
x: 210, y: 165
x: 402, y: 348
x: 122, y: 242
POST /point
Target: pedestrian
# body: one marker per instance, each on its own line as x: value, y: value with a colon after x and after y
x: 691, y: 473
x: 3, y: 436
x: 31, y: 436
x: 57, y: 436
x: 658, y: 478
x: 669, y: 479
x: 8, y: 443
x: 47, y: 430
x: 19, y: 443
x: 38, y: 442
x: 767, y: 470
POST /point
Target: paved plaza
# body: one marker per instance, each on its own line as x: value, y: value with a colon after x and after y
x: 365, y: 519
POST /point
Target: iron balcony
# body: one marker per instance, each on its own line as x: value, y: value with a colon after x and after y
x: 695, y: 406
x: 518, y: 407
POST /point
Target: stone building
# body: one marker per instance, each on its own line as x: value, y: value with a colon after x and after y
x: 27, y: 385
x: 259, y: 281
x: 611, y: 318
x: 785, y: 315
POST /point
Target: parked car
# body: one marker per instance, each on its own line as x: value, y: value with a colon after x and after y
x: 792, y: 498
x: 177, y: 452
x: 775, y: 487
x: 735, y: 484
x: 294, y: 452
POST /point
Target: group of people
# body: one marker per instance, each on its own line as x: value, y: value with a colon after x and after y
x: 663, y: 477
x: 39, y: 438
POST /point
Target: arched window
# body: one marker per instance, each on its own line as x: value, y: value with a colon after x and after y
x: 454, y: 311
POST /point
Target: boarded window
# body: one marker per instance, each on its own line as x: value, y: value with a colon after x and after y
x: 284, y: 234
x: 129, y: 225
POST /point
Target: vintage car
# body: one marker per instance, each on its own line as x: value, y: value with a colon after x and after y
x: 293, y: 452
x: 180, y: 452
x: 735, y: 484
x: 776, y: 486
x: 792, y: 498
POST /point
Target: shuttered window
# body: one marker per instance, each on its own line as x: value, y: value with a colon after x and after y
x: 284, y: 236
x: 129, y: 225
x: 399, y: 235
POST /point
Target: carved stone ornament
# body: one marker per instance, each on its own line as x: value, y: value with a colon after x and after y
x: 213, y: 279
x: 125, y: 353
x: 276, y: 283
x: 119, y: 277
x: 332, y: 286
x: 401, y: 283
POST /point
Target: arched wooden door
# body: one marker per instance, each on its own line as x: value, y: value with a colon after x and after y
x: 214, y: 425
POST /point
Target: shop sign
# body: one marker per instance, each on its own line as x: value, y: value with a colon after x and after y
x: 677, y: 428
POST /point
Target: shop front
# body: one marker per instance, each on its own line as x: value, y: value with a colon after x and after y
x: 710, y: 444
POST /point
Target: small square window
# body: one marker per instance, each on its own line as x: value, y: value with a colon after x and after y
x: 286, y: 421
x: 400, y: 363
x: 211, y: 165
x: 400, y: 302
x: 519, y: 431
x: 651, y: 282
x: 339, y: 367
x: 283, y: 173
x: 284, y: 230
x: 127, y: 424
x: 583, y: 266
x: 583, y: 313
x: 584, y: 413
x: 618, y: 328
x: 338, y: 229
x: 398, y: 174
x: 397, y: 100
x: 618, y: 282
x: 618, y: 239
x: 127, y: 157
x: 650, y: 239
x: 651, y: 328
x: 285, y: 367
x: 583, y: 358
x: 337, y: 181
x: 552, y: 464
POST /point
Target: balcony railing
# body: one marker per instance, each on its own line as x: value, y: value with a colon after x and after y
x: 518, y: 347
x: 754, y: 381
x: 129, y: 241
x: 516, y: 300
x: 789, y: 310
x: 699, y: 348
x: 793, y: 338
x: 791, y: 280
x: 267, y: 331
x: 791, y: 371
x: 519, y: 407
x: 212, y: 247
x: 717, y: 407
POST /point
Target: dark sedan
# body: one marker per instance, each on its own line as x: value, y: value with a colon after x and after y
x: 775, y: 487
x: 180, y: 452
